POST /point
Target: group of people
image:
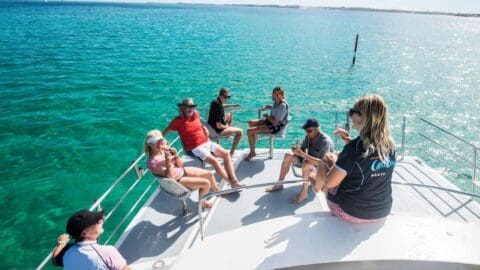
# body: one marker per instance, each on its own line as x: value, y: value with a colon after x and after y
x: 357, y: 180
x: 163, y: 160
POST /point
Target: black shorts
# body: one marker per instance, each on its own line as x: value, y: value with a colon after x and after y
x: 273, y: 129
x: 300, y: 162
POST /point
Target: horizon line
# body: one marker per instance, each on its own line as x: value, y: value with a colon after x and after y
x: 293, y: 6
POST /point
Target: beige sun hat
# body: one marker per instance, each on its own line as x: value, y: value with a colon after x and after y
x: 187, y: 102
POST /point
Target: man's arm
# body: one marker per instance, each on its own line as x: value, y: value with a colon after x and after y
x: 205, y: 130
x: 306, y: 156
x: 166, y: 131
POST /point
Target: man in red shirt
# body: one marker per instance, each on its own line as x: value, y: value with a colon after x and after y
x: 195, y: 141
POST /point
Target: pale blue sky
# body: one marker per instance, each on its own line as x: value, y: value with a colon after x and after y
x: 464, y: 6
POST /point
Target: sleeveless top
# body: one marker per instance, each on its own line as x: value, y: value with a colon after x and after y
x: 159, y: 161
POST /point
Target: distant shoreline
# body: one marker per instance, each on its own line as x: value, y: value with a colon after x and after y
x: 474, y: 15
x: 361, y: 9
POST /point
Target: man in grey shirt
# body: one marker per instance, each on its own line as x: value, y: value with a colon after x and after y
x: 314, y: 147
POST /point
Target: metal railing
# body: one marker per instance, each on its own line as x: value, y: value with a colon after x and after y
x: 474, y: 148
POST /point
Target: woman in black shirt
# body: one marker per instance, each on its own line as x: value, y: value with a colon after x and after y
x: 359, y: 185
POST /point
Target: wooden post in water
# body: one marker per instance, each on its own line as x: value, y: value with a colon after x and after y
x: 355, y: 50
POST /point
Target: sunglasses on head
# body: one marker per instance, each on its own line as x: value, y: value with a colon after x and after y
x: 352, y: 111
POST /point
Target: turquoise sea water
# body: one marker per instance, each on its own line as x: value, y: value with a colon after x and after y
x: 81, y: 84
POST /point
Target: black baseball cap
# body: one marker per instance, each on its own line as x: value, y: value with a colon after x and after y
x: 81, y: 220
x: 311, y: 122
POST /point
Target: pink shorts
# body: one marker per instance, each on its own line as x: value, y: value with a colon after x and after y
x: 338, y: 211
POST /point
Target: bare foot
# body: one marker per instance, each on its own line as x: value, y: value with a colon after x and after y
x: 215, y: 188
x: 299, y: 198
x: 250, y: 156
x: 206, y: 204
x: 236, y: 184
x: 274, y: 188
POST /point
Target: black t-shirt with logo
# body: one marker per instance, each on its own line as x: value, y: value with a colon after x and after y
x: 366, y: 191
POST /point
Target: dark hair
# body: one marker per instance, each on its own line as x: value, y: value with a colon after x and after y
x: 223, y: 91
x: 58, y: 260
x: 279, y: 89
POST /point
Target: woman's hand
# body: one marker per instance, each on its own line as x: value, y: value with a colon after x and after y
x: 342, y: 133
x: 63, y: 238
x: 174, y: 152
x: 168, y: 157
x: 330, y: 159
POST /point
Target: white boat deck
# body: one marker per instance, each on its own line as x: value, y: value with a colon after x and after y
x: 159, y: 231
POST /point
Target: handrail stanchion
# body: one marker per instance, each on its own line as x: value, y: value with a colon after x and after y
x: 138, y: 171
x: 200, y: 218
x: 98, y: 208
x: 474, y: 174
x: 336, y: 125
x: 404, y: 125
x: 347, y: 124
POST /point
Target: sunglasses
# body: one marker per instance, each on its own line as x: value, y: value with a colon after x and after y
x: 352, y: 111
x: 226, y: 97
x: 309, y: 130
x: 190, y: 106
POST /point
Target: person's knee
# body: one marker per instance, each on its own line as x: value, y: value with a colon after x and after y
x: 212, y: 160
x: 205, y: 183
x: 289, y: 157
x: 222, y: 153
x: 306, y: 166
x: 239, y: 132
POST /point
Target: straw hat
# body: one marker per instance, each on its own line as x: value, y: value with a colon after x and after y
x: 187, y: 102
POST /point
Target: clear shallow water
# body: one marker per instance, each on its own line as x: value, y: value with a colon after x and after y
x: 81, y: 84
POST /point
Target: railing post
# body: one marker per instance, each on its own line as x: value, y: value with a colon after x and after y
x: 270, y: 150
x: 200, y: 198
x: 347, y: 124
x: 138, y: 171
x: 474, y: 174
x: 336, y: 125
x: 99, y: 206
x: 404, y: 124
